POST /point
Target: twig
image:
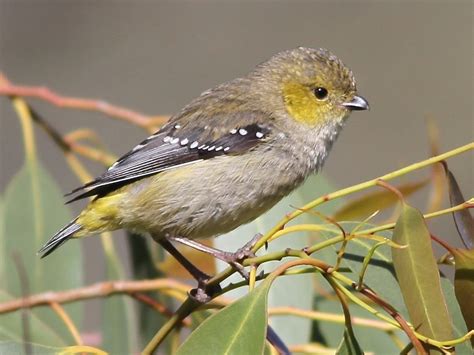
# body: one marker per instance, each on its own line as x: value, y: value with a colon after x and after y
x: 185, y: 310
x: 101, y: 289
x: 56, y: 307
x: 330, y: 317
x: 147, y: 122
x: 397, y: 316
x: 157, y: 306
x: 68, y: 144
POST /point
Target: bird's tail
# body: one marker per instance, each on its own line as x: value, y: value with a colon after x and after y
x: 60, y: 238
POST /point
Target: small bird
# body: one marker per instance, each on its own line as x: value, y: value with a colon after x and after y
x: 227, y: 157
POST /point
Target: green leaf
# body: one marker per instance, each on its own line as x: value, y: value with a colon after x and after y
x: 370, y: 339
x: 463, y: 218
x: 464, y: 284
x: 418, y: 276
x: 349, y: 344
x: 237, y: 329
x: 369, y: 203
x: 11, y: 326
x: 118, y: 323
x: 33, y: 211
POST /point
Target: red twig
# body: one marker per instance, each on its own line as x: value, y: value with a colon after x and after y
x: 102, y: 289
x: 156, y: 306
x: 45, y: 94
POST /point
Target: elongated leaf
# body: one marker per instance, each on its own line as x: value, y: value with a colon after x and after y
x: 11, y: 328
x: 119, y: 323
x: 374, y: 201
x: 371, y: 340
x: 143, y: 267
x: 462, y: 219
x: 237, y: 329
x: 438, y: 181
x: 418, y: 275
x: 33, y: 212
x: 349, y: 344
x: 464, y: 284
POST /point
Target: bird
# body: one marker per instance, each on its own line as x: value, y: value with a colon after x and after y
x: 225, y: 158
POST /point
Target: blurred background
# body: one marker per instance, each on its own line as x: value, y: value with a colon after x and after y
x: 411, y: 60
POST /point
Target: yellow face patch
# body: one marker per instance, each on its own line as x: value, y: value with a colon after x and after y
x: 302, y: 105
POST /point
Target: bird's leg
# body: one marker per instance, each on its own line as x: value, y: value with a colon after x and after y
x: 232, y: 259
x: 202, y: 294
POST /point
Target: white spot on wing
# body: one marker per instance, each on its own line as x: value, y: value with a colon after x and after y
x: 233, y: 131
x: 166, y: 139
x: 259, y: 134
x: 184, y: 141
x: 174, y: 140
x: 140, y: 146
x: 243, y: 132
x: 194, y: 145
x: 113, y: 166
x: 226, y: 149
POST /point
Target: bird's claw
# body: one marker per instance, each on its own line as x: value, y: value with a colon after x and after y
x: 235, y: 259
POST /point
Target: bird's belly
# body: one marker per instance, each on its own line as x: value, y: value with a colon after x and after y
x: 207, y: 198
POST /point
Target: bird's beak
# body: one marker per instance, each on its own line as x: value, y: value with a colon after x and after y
x: 358, y: 103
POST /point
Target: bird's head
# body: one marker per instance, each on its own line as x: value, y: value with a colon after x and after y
x: 313, y: 86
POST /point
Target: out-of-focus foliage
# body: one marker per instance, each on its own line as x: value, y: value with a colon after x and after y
x: 418, y: 276
x: 33, y: 211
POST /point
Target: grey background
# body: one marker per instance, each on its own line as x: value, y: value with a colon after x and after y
x: 410, y: 59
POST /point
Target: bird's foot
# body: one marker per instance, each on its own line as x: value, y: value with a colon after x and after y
x: 235, y: 259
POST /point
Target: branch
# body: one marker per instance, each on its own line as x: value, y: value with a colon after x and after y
x: 149, y: 123
x: 101, y: 289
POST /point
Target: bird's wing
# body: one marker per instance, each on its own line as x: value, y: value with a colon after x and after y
x: 178, y: 143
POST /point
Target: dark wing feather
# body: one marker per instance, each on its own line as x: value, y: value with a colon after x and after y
x: 174, y: 146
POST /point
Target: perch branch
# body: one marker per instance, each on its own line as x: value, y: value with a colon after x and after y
x: 101, y: 289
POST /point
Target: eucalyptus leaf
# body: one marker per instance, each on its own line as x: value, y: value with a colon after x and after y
x: 464, y: 284
x: 11, y: 328
x: 418, y: 276
x: 364, y: 206
x: 237, y: 329
x: 349, y: 344
x: 370, y: 339
x: 118, y: 323
x: 33, y: 211
x: 462, y: 219
x: 143, y: 267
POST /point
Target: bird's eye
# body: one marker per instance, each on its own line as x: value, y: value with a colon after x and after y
x: 321, y: 93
